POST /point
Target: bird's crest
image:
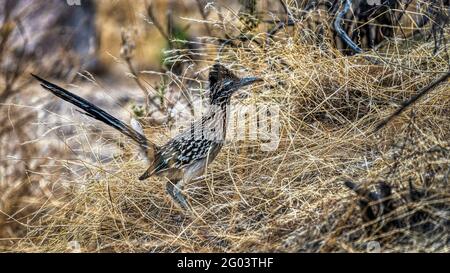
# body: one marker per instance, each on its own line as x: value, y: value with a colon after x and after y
x: 221, y: 82
x: 218, y: 75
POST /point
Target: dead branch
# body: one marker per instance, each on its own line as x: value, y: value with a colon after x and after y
x: 340, y: 32
x: 412, y: 100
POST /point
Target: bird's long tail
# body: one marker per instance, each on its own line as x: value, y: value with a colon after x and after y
x: 98, y: 114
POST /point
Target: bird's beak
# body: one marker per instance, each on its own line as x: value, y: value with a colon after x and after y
x: 247, y: 81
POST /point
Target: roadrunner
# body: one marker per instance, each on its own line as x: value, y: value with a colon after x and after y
x: 186, y: 156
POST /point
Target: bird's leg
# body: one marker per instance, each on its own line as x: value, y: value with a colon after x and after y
x: 198, y: 178
x: 174, y: 190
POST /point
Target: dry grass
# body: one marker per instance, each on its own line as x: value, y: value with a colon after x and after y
x: 293, y: 198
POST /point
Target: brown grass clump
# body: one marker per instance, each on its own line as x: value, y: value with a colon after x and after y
x: 402, y: 202
x: 295, y: 197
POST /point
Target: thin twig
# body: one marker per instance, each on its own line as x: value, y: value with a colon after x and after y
x: 127, y: 55
x: 409, y: 102
x: 133, y: 71
x: 289, y: 22
x: 157, y: 24
x: 204, y: 16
